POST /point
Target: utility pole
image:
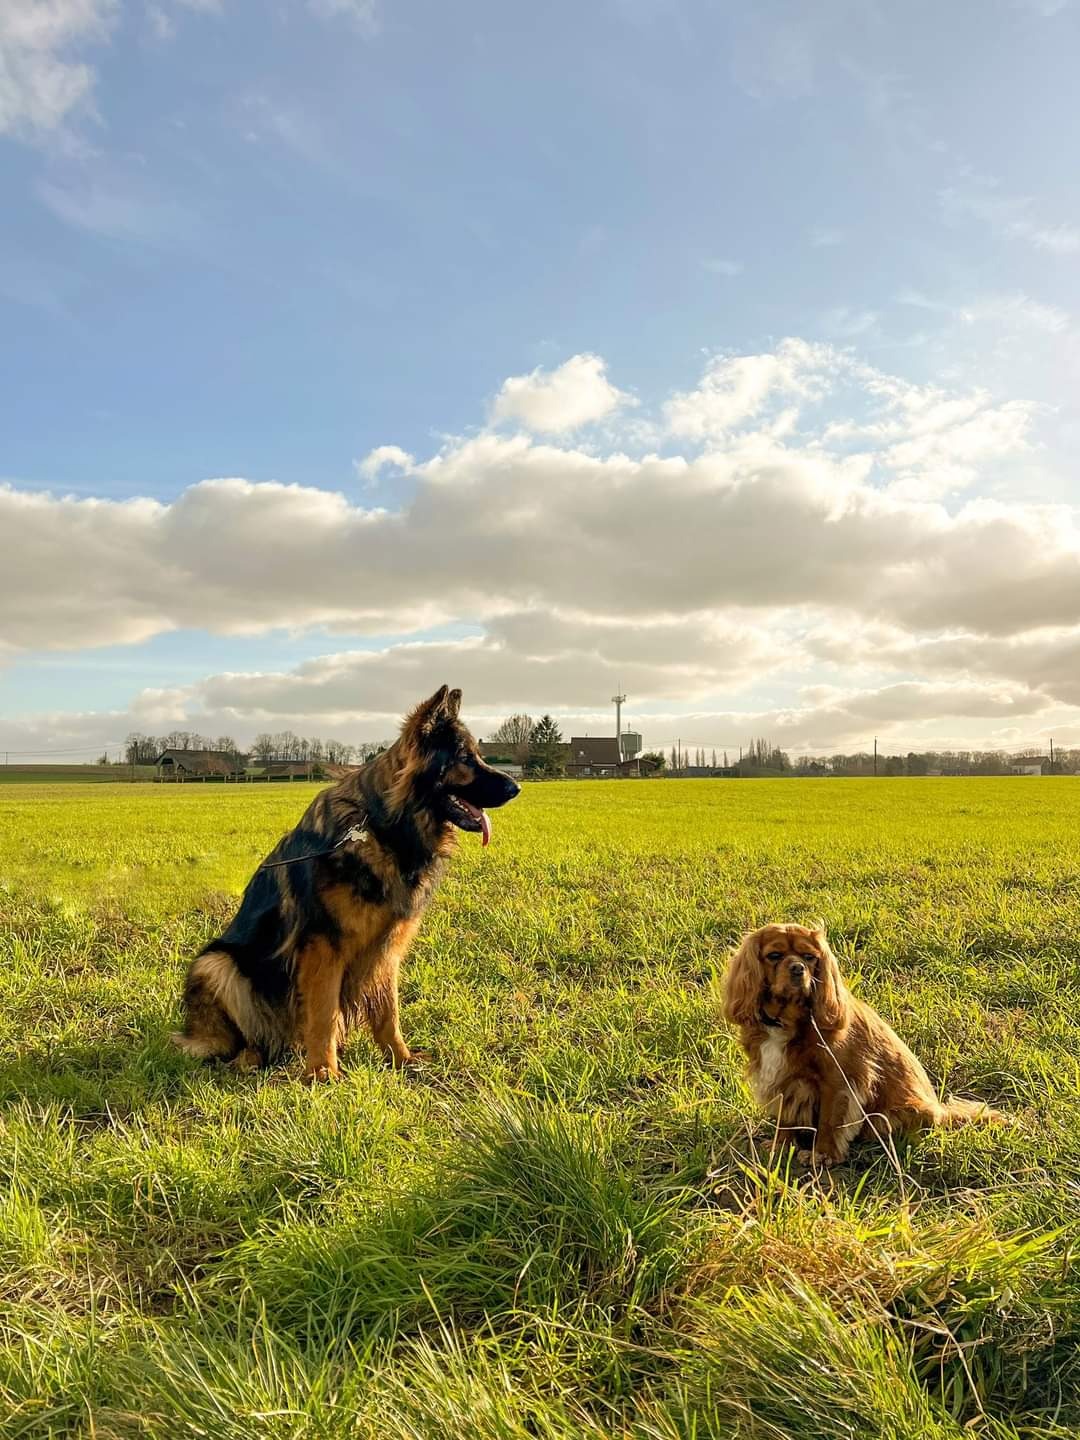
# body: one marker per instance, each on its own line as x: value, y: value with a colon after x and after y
x: 618, y: 701
x: 875, y: 755
x: 1051, y: 754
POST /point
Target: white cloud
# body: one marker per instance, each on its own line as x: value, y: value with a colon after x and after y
x: 737, y: 388
x: 41, y: 80
x: 362, y: 696
x: 1044, y: 660
x: 555, y: 401
x: 779, y: 548
x: 935, y: 442
x: 383, y: 457
x: 1014, y: 312
x: 530, y: 660
x: 728, y: 268
x: 495, y: 525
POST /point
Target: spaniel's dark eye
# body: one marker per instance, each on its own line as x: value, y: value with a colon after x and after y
x: 774, y: 955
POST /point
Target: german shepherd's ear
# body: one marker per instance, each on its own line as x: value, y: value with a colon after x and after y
x: 429, y: 714
x: 453, y: 704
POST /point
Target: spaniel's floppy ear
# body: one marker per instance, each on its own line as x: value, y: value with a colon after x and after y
x: 742, y: 983
x: 831, y: 1000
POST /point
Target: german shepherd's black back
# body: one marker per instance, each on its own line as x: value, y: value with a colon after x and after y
x: 317, y: 942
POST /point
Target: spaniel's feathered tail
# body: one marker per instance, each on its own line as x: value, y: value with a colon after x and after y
x: 956, y: 1111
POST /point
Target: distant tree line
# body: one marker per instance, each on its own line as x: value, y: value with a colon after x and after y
x: 142, y: 749
x: 761, y: 758
x: 284, y: 745
x: 538, y: 747
x: 943, y: 762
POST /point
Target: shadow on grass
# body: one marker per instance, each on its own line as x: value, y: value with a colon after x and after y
x: 533, y: 1210
x: 124, y: 1070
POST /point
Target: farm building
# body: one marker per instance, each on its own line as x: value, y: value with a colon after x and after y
x: 179, y: 765
x: 508, y: 767
x: 1030, y: 765
x: 290, y: 770
x: 501, y: 757
x: 597, y: 757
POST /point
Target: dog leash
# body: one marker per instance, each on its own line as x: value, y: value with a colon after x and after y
x: 355, y: 832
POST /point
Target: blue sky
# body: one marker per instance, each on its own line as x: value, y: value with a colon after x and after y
x: 256, y: 242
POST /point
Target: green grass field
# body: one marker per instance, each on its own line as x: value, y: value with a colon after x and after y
x: 564, y: 1225
x: 73, y: 774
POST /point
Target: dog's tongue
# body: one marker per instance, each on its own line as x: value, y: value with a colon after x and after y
x: 482, y: 816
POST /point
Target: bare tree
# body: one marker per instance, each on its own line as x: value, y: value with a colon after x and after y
x: 516, y: 734
x: 142, y: 749
x: 369, y: 749
x: 263, y: 748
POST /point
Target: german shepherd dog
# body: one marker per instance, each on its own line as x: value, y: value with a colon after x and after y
x: 327, y: 919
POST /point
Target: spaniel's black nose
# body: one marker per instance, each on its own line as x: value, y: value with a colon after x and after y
x: 798, y: 971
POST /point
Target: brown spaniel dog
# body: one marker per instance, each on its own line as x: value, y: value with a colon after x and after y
x: 826, y: 1065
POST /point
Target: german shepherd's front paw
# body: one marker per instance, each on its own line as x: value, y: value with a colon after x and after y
x: 248, y: 1060
x: 322, y: 1074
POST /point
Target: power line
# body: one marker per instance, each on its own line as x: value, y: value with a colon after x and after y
x: 74, y: 750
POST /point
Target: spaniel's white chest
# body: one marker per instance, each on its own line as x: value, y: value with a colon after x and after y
x: 768, y: 1076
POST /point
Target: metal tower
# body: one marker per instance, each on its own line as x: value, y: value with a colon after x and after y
x: 618, y: 701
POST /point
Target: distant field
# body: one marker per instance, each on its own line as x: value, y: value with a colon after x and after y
x: 71, y: 774
x: 560, y: 1227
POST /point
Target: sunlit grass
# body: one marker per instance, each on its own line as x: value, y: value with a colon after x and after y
x: 562, y: 1226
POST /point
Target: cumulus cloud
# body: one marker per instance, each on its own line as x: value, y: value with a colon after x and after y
x: 736, y: 388
x: 41, y: 80
x: 530, y: 660
x: 779, y: 546
x: 556, y: 401
x: 383, y: 457
x: 363, y: 694
x: 499, y: 524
